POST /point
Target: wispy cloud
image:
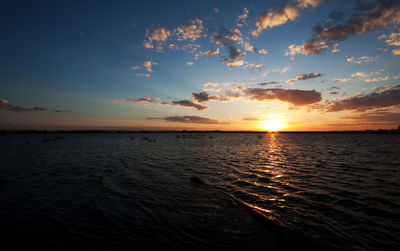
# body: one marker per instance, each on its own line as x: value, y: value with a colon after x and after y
x: 141, y: 100
x: 4, y: 105
x: 360, y: 60
x: 189, y: 119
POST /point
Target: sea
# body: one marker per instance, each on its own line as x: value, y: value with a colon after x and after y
x: 201, y: 191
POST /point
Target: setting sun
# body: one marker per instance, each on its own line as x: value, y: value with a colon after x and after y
x: 272, y: 125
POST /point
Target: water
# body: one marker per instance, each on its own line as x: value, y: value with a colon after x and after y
x: 127, y: 191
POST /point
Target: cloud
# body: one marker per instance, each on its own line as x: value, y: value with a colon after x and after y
x: 242, y: 18
x: 190, y: 119
x: 263, y: 51
x: 375, y: 16
x: 377, y: 79
x: 141, y: 100
x: 305, y: 76
x: 341, y: 79
x: 250, y: 119
x: 159, y: 35
x: 360, y: 74
x: 333, y: 93
x: 164, y: 103
x: 273, y: 17
x: 335, y: 48
x: 268, y: 83
x: 211, y: 52
x: 312, y: 46
x: 233, y: 63
x: 294, y: 97
x: 360, y: 60
x: 148, y: 64
x: 189, y: 63
x: 13, y: 108
x: 188, y: 103
x: 393, y: 40
x: 389, y: 97
x: 203, y: 97
x: 376, y: 117
x: 253, y: 66
x: 146, y: 75
x: 190, y: 30
x: 136, y: 67
x: 228, y: 38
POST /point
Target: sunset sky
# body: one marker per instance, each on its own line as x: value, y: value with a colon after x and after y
x: 226, y: 65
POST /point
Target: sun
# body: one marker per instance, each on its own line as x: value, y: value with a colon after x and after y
x: 272, y: 125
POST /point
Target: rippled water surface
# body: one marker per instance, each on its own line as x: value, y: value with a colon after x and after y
x: 127, y: 191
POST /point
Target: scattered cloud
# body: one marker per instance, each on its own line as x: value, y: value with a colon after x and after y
x: 263, y: 51
x: 156, y: 35
x: 360, y: 60
x: 190, y: 30
x: 148, y: 64
x: 188, y: 103
x: 146, y: 75
x: 341, y: 79
x: 250, y: 119
x: 233, y: 63
x: 389, y: 97
x: 335, y: 48
x: 377, y: 79
x: 190, y: 119
x: 242, y: 18
x: 211, y: 52
x: 393, y: 40
x: 189, y: 63
x: 291, y: 96
x: 375, y: 16
x: 136, y: 67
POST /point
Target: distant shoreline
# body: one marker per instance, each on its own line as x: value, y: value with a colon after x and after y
x: 379, y: 131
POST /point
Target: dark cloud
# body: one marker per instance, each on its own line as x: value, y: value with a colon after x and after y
x: 333, y: 93
x: 387, y: 98
x: 188, y: 103
x: 14, y: 108
x: 373, y: 17
x: 305, y: 76
x: 228, y: 38
x: 269, y: 83
x: 141, y: 100
x: 294, y: 97
x: 190, y: 119
x: 203, y: 97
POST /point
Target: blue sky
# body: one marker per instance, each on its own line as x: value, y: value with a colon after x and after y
x: 98, y: 64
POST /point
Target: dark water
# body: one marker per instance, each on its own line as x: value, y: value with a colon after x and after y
x: 112, y: 192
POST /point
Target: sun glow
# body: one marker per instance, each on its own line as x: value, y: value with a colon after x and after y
x: 273, y: 124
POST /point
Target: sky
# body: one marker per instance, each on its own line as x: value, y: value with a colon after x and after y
x: 299, y: 65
